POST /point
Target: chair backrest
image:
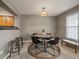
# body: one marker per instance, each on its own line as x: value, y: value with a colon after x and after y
x: 11, y: 43
x: 34, y: 40
x: 34, y: 34
x: 56, y: 40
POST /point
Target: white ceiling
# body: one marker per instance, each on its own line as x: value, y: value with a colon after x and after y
x: 34, y: 7
x: 4, y: 12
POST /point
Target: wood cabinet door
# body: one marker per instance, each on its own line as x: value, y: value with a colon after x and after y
x: 2, y: 21
x: 9, y: 21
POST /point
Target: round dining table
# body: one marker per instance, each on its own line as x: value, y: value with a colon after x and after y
x: 44, y: 38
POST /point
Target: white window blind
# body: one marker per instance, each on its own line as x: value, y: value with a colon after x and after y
x: 72, y: 26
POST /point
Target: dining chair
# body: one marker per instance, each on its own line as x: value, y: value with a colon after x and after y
x: 14, y: 47
x: 54, y: 43
x: 36, y: 41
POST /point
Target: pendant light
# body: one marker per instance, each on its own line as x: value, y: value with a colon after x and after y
x: 44, y: 12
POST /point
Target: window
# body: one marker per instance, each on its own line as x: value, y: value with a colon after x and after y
x: 72, y: 26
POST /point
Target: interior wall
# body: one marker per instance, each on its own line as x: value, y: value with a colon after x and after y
x: 31, y: 24
x: 6, y: 36
x: 61, y: 21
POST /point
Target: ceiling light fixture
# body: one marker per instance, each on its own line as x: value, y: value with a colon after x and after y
x: 44, y: 12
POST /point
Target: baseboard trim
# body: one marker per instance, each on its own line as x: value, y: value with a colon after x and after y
x: 6, y: 56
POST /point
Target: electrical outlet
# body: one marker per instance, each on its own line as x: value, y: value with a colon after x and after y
x: 1, y: 52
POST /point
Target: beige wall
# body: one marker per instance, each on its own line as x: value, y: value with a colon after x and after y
x: 30, y: 24
x: 61, y: 21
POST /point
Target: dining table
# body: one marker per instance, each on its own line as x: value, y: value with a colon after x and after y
x: 44, y: 38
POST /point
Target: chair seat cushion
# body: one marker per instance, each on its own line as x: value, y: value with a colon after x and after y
x: 51, y: 42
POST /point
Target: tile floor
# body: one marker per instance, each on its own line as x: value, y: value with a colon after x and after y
x: 66, y: 53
